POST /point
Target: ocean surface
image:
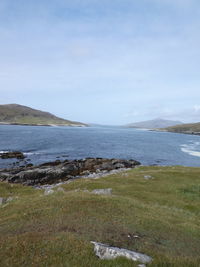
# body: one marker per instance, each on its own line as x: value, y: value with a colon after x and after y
x: 44, y: 144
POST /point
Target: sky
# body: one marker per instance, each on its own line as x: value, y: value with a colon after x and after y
x: 107, y: 62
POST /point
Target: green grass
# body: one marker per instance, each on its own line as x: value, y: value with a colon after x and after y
x: 38, y: 120
x: 56, y: 230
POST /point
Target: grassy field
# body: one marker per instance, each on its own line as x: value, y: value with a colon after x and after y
x: 56, y: 230
x: 39, y: 120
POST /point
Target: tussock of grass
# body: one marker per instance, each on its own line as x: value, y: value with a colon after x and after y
x: 56, y: 230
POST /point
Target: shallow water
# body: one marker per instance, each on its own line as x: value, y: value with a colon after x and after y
x: 42, y: 144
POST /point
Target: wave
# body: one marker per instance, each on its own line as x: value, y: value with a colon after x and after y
x: 28, y: 153
x: 192, y: 149
x: 31, y: 153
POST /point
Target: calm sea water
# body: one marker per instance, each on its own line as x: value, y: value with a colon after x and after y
x: 43, y: 144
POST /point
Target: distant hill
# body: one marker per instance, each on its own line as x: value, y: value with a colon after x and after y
x: 190, y: 128
x: 153, y: 124
x: 22, y: 115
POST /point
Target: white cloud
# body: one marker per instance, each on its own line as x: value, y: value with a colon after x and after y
x: 197, y: 108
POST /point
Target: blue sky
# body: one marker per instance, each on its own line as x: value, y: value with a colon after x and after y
x: 108, y: 61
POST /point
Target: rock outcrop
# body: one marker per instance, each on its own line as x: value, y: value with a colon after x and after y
x: 12, y: 154
x: 55, y: 172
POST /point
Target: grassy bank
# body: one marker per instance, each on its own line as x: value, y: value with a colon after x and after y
x: 190, y: 128
x: 157, y: 216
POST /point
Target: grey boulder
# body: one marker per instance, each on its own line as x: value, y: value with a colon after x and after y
x: 106, y: 252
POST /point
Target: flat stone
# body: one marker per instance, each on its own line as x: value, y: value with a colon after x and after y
x: 107, y: 191
x: 60, y: 189
x: 147, y: 177
x: 106, y: 252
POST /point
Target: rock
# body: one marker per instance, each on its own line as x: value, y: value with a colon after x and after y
x: 60, y: 189
x: 107, y: 166
x: 48, y: 191
x: 9, y: 199
x: 106, y: 252
x: 4, y: 176
x: 29, y: 165
x: 2, y: 200
x: 58, y: 171
x: 12, y: 154
x: 141, y: 265
x: 119, y: 166
x: 148, y: 177
x: 85, y: 173
x: 107, y: 191
x: 85, y: 191
x: 54, y: 163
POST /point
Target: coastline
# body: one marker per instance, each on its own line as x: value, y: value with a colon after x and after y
x: 178, y: 132
x: 62, y: 171
x: 49, y: 125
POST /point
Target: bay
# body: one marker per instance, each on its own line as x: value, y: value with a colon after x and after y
x: 44, y: 144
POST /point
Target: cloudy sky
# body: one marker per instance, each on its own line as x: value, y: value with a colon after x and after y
x: 108, y: 61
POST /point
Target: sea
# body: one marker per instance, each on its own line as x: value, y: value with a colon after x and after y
x: 42, y: 144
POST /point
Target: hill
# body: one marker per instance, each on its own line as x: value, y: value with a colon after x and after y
x: 190, y: 128
x: 152, y: 210
x: 22, y: 115
x: 152, y: 124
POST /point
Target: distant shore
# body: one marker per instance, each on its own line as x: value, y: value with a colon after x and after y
x: 178, y: 132
x: 34, y: 124
x: 15, y: 114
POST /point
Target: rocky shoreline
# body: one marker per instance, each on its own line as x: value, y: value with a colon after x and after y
x: 62, y: 171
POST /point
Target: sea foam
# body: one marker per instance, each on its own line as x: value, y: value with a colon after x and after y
x: 191, y: 149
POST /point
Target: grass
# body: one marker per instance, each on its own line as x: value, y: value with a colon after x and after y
x: 184, y: 128
x: 56, y: 230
